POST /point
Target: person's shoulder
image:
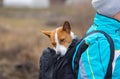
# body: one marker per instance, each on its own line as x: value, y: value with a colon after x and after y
x: 95, y: 38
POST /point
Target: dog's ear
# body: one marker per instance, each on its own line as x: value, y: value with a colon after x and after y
x: 66, y: 26
x: 48, y: 33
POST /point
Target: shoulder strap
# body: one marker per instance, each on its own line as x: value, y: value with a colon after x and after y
x: 109, y: 69
x: 84, y: 46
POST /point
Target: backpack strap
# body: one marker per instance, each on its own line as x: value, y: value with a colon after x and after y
x: 84, y: 46
x: 109, y: 69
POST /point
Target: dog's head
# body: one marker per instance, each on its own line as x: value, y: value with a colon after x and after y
x: 61, y: 37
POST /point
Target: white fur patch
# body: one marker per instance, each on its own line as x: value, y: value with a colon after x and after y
x: 60, y: 49
x: 72, y: 35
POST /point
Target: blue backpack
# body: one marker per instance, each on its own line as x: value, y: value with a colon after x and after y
x: 54, y: 66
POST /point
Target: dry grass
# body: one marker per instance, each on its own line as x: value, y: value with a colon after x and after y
x: 21, y: 41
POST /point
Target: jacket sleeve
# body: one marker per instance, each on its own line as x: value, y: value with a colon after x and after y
x: 94, y: 61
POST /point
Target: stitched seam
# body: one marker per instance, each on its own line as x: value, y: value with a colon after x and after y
x: 90, y: 65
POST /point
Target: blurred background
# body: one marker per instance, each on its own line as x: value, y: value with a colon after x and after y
x: 21, y: 40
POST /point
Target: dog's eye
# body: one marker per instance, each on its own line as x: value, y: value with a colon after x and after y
x: 62, y: 40
x: 54, y: 44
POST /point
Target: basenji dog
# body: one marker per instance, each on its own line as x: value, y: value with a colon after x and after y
x: 61, y: 38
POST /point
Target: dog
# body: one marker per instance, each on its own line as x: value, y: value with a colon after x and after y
x: 61, y: 38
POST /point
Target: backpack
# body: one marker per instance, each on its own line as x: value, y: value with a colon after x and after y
x: 53, y: 66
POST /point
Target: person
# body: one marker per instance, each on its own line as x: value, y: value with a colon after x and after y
x: 94, y: 62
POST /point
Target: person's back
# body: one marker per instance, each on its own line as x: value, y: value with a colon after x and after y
x: 111, y: 27
x: 94, y: 61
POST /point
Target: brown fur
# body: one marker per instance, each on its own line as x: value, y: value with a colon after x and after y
x: 63, y: 32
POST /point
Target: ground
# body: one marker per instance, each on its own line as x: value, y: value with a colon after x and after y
x: 21, y: 40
